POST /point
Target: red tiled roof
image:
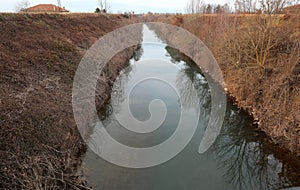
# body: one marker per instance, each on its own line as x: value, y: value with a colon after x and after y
x: 46, y: 8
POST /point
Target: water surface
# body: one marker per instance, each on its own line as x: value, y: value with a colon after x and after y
x: 237, y: 160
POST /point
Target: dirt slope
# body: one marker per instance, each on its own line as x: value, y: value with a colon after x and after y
x: 39, y: 54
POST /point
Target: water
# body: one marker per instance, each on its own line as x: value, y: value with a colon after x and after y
x: 237, y: 160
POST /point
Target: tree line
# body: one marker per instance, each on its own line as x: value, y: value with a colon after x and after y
x: 239, y: 6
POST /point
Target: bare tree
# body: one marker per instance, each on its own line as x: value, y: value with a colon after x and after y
x: 273, y: 6
x: 266, y: 6
x: 219, y: 9
x: 209, y: 9
x: 190, y: 7
x: 195, y: 7
x: 22, y: 5
x: 104, y: 6
x: 246, y: 6
x: 199, y: 6
x: 226, y: 8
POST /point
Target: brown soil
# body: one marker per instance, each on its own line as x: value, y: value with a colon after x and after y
x: 39, y: 54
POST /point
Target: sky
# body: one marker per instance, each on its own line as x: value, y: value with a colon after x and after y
x: 139, y: 6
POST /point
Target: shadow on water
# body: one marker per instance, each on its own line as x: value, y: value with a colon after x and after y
x: 239, y: 159
x: 241, y: 150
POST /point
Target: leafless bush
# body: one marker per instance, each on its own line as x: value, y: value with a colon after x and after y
x: 260, y: 43
x: 22, y: 6
x: 259, y: 57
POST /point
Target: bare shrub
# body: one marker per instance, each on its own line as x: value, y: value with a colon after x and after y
x: 22, y: 6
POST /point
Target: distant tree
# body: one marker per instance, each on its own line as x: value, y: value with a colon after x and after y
x: 274, y: 6
x: 97, y: 10
x: 195, y: 7
x: 264, y: 6
x: 104, y: 6
x: 219, y: 9
x: 246, y: 6
x: 295, y: 2
x: 249, y: 6
x: 190, y: 7
x: 22, y: 6
x: 238, y: 7
x: 199, y: 6
x: 209, y: 9
x: 227, y: 8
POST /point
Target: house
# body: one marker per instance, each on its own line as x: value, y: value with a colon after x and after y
x: 45, y: 8
x: 295, y: 9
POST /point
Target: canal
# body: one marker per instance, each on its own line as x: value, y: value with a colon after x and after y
x: 162, y: 85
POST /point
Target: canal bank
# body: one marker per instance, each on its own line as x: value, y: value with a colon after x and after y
x: 39, y: 55
x: 241, y: 158
x: 265, y: 84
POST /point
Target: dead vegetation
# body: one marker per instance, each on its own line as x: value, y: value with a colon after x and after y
x: 259, y: 57
x: 39, y: 53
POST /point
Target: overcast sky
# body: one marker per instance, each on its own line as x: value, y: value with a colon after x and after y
x: 139, y: 6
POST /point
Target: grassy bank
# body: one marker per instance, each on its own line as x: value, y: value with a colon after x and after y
x: 259, y: 57
x: 39, y: 54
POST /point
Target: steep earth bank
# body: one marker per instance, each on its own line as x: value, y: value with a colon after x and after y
x: 39, y: 54
x: 259, y: 57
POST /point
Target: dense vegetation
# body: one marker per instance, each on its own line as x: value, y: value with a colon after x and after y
x: 259, y: 57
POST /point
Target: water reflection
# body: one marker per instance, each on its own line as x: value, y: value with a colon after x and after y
x: 248, y: 164
x: 237, y: 160
x: 246, y: 161
x: 188, y: 78
x: 138, y: 53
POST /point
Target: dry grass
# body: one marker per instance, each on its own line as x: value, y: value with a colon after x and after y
x: 39, y: 53
x: 259, y: 57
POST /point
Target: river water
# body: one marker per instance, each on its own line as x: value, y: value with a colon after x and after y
x: 237, y: 160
